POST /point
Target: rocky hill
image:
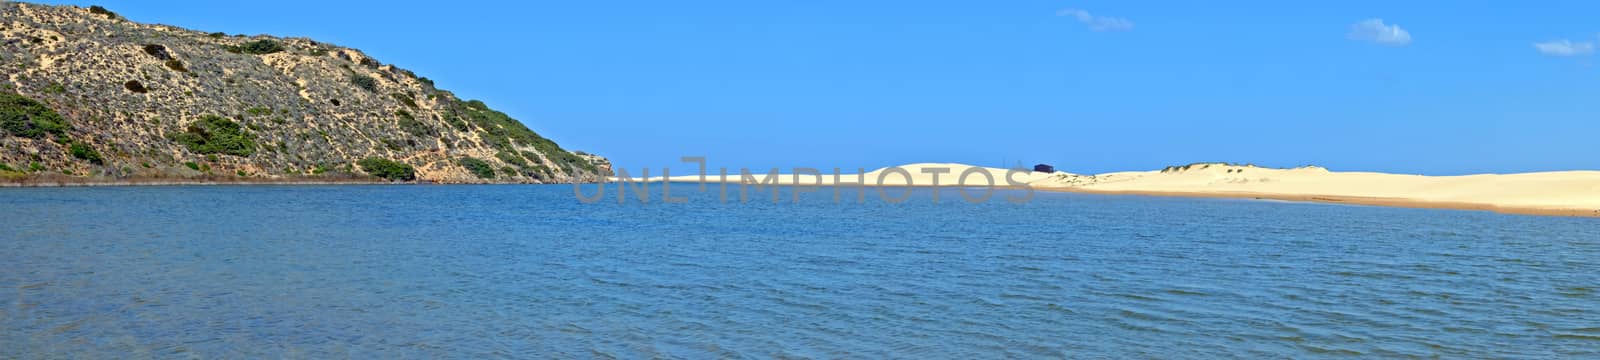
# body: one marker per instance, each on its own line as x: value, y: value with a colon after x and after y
x: 89, y: 96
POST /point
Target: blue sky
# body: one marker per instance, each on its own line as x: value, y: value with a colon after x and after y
x: 1089, y: 86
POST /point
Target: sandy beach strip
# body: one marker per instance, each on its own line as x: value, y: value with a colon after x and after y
x: 1350, y: 200
x: 1561, y: 193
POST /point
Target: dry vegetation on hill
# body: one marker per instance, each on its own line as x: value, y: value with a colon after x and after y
x: 90, y: 95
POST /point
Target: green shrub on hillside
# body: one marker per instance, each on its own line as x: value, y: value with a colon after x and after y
x: 24, y: 117
x: 512, y: 158
x: 81, y: 151
x: 415, y: 127
x: 539, y: 172
x: 566, y: 160
x: 456, y: 122
x: 387, y: 169
x: 258, y: 47
x: 216, y: 135
x: 101, y: 10
x: 364, y: 82
x: 405, y: 99
x: 478, y: 167
x: 504, y: 133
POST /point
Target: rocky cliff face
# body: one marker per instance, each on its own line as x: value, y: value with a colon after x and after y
x: 88, y: 94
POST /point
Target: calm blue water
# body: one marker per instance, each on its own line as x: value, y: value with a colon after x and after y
x: 520, y: 271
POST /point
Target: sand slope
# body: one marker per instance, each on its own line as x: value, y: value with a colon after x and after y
x: 1568, y: 193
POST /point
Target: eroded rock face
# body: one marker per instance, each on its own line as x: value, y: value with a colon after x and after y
x: 131, y: 91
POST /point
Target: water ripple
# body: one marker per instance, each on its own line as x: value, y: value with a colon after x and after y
x: 526, y: 271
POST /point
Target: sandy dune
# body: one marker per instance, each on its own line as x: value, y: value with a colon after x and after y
x: 1568, y: 193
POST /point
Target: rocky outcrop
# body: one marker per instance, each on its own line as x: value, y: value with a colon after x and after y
x: 157, y: 101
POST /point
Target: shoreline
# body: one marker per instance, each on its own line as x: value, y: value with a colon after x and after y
x: 1062, y: 183
x: 1348, y: 200
x: 1306, y: 198
x: 1556, y: 193
x: 1297, y: 198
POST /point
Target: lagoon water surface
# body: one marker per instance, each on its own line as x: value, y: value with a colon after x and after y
x: 528, y: 271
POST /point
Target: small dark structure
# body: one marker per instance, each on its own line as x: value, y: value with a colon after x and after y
x: 1044, y: 168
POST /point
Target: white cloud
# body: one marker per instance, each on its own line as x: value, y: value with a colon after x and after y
x: 1097, y: 23
x: 1564, y: 48
x: 1375, y: 30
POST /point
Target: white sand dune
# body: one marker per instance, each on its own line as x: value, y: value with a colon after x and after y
x: 1569, y: 193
